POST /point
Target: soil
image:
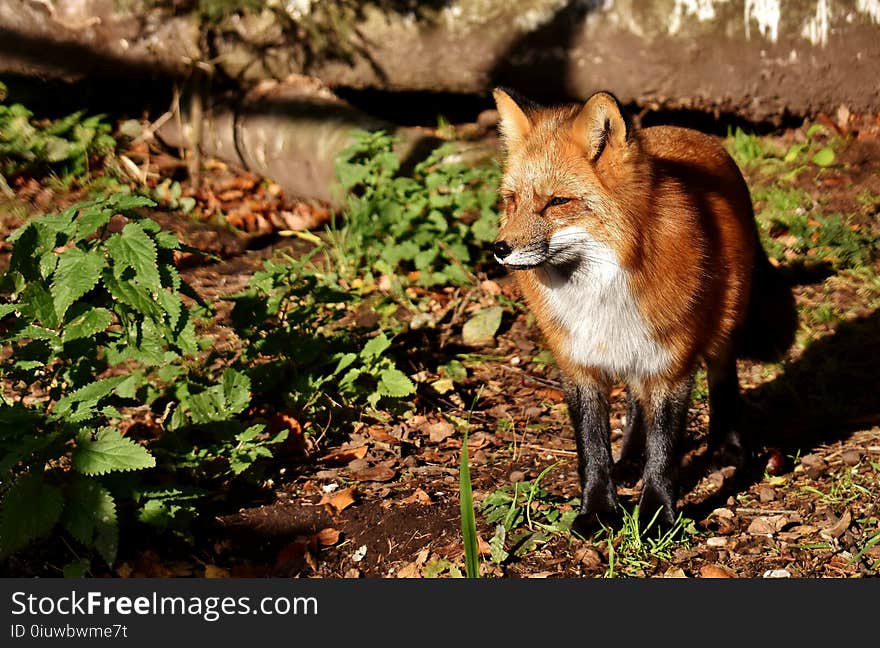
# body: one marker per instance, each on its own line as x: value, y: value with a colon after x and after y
x: 392, y: 509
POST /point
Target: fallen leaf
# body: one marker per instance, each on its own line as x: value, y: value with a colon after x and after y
x: 674, y: 572
x: 482, y: 326
x: 327, y: 537
x: 483, y: 547
x: 439, y: 431
x: 836, y: 530
x: 338, y: 501
x: 379, y: 433
x: 418, y: 497
x: 345, y: 455
x: 714, y: 571
x: 375, y: 473
x: 767, y: 525
x: 212, y: 571
x: 410, y: 570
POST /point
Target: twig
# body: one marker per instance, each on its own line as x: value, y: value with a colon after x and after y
x: 533, y: 446
x: 755, y: 511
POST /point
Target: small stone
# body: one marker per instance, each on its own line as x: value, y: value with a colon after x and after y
x: 516, y: 476
x: 766, y: 494
x: 777, y: 573
x: 716, y: 542
x: 851, y: 457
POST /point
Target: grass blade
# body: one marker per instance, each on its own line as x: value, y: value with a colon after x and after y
x: 468, y: 521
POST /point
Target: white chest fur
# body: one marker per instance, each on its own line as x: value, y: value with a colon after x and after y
x: 595, y: 307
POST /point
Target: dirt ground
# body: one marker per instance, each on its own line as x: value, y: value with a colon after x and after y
x: 385, y: 501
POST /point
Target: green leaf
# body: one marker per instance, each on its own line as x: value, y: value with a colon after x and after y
x: 130, y: 294
x: 394, y: 383
x: 108, y: 452
x: 85, y: 398
x: 90, y: 517
x: 36, y: 303
x: 76, y: 274
x: 76, y: 568
x: 825, y: 157
x: 375, y: 347
x: 30, y: 510
x: 482, y: 326
x: 237, y: 390
x: 133, y: 248
x: 468, y: 519
x: 90, y: 323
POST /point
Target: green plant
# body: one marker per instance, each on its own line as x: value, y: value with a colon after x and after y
x: 632, y: 549
x: 297, y: 324
x: 91, y: 304
x: 66, y: 147
x: 468, y: 521
x: 430, y: 226
x: 525, y: 515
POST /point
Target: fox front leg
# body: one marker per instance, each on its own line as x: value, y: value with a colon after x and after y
x: 589, y: 408
x: 666, y: 407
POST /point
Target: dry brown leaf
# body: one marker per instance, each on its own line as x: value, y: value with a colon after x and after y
x: 410, y: 570
x: 345, y: 455
x: 213, y: 571
x: 674, y: 572
x: 439, y: 431
x: 124, y: 570
x: 715, y: 571
x: 338, y: 501
x: 418, y: 496
x: 836, y: 530
x: 375, y: 473
x: 483, y: 547
x: 327, y: 537
x: 379, y: 433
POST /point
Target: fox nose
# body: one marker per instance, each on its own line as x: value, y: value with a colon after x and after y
x: 501, y: 249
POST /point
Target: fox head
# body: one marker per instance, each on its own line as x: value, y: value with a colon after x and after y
x: 568, y: 184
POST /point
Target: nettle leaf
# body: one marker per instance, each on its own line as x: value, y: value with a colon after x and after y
x: 77, y: 273
x: 83, y: 401
x: 109, y: 452
x: 237, y: 390
x: 37, y: 304
x: 91, y: 219
x: 90, y: 517
x: 30, y: 510
x: 220, y: 402
x: 375, y: 347
x: 394, y: 383
x: 130, y: 294
x: 90, y: 323
x: 133, y: 248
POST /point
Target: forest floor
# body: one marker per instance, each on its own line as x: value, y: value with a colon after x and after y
x: 382, y: 500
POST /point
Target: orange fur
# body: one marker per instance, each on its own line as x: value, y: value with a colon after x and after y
x: 671, y: 204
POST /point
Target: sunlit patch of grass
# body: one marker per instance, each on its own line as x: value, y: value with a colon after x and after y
x: 633, y: 550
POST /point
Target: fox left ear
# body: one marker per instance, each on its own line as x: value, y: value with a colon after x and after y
x: 601, y: 126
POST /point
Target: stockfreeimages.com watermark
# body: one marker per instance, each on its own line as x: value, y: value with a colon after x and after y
x: 209, y: 608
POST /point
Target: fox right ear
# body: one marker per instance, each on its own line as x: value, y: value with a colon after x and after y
x: 601, y: 126
x: 514, y: 125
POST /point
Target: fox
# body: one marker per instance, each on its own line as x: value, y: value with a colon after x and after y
x: 638, y: 254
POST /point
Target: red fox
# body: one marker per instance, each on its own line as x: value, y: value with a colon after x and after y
x: 637, y: 252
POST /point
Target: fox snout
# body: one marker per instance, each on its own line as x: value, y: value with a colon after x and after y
x: 501, y: 250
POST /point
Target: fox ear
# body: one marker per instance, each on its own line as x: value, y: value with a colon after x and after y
x: 601, y: 126
x: 514, y: 125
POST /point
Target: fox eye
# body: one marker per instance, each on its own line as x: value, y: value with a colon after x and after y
x: 558, y: 200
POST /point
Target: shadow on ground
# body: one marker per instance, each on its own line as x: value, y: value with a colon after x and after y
x: 829, y: 392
